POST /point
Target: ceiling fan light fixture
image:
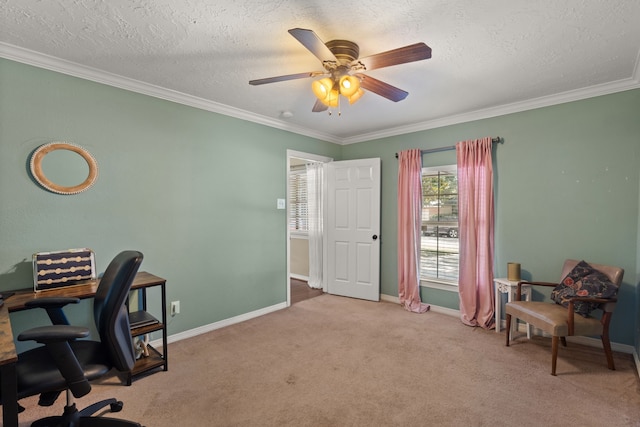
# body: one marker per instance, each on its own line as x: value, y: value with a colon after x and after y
x: 332, y: 98
x: 353, y: 98
x: 322, y: 88
x: 349, y: 85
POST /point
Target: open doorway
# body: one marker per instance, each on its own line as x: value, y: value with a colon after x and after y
x: 299, y: 261
x: 300, y: 290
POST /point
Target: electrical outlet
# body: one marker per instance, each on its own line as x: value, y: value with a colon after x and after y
x: 175, y: 307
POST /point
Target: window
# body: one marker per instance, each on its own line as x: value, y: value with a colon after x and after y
x: 298, y: 212
x: 439, y: 249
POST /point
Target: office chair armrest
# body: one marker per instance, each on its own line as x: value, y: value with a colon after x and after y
x: 53, y: 307
x: 56, y: 339
x: 54, y: 333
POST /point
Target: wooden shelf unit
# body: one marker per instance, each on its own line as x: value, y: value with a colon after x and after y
x: 157, y: 358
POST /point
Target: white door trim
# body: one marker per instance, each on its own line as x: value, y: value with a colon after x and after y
x: 300, y: 155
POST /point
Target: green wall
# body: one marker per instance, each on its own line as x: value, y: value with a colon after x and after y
x: 193, y: 190
x: 567, y: 186
x: 638, y: 290
x: 196, y: 192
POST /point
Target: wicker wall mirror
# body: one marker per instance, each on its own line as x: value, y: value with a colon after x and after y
x: 70, y: 169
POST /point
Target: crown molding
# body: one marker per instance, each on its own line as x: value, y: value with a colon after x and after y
x: 52, y: 63
x: 516, y: 107
x: 501, y: 110
x: 48, y: 62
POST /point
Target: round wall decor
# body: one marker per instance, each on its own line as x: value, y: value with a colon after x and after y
x: 37, y: 171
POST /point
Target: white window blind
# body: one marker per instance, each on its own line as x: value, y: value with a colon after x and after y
x: 298, y: 211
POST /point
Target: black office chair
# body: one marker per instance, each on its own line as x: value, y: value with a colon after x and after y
x: 67, y: 363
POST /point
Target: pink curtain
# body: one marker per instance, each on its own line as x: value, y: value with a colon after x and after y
x: 409, y: 227
x: 475, y: 213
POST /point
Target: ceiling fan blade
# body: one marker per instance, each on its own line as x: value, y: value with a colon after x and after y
x: 319, y: 107
x: 381, y: 88
x: 402, y: 55
x: 286, y: 77
x: 311, y: 41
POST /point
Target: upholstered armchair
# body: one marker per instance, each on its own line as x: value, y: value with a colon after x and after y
x: 585, y: 301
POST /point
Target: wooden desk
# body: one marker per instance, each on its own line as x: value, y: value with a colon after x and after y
x: 8, y: 360
x: 8, y: 355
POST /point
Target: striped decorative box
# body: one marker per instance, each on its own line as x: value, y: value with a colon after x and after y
x: 63, y: 268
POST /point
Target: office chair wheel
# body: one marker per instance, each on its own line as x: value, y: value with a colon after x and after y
x: 116, y: 407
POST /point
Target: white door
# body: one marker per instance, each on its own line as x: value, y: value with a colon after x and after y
x: 353, y: 229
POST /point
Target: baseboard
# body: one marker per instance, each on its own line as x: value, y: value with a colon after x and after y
x: 389, y: 298
x: 588, y: 341
x: 220, y: 324
x: 299, y: 277
x: 434, y: 308
x: 592, y: 342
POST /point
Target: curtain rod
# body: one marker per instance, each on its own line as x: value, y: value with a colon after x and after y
x: 496, y: 140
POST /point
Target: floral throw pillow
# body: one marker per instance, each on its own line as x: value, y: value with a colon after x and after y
x: 583, y: 281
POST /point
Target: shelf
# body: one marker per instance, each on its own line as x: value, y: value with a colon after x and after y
x: 145, y: 364
x: 140, y: 318
x: 142, y: 322
x: 146, y: 329
x: 154, y: 360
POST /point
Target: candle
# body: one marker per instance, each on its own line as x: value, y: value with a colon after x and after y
x: 513, y: 271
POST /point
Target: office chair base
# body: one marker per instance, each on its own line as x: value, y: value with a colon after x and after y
x: 114, y: 406
x: 74, y: 418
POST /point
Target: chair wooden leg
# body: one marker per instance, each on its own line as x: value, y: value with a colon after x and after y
x: 607, y: 349
x: 554, y: 353
x: 564, y: 341
x: 508, y: 329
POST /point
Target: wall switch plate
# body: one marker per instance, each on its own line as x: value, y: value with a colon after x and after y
x: 282, y: 203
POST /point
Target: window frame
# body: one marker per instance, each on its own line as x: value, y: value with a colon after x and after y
x: 435, y: 282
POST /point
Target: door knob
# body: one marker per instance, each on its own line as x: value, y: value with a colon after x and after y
x: 375, y: 237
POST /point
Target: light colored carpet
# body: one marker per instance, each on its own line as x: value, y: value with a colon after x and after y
x: 332, y: 361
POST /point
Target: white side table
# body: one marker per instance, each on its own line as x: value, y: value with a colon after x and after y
x: 509, y: 287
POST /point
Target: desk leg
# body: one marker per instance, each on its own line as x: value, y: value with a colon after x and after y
x: 9, y: 395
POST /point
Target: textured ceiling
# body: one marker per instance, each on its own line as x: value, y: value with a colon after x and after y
x: 489, y: 57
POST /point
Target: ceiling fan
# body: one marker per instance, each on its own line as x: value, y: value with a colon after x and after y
x: 343, y: 69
